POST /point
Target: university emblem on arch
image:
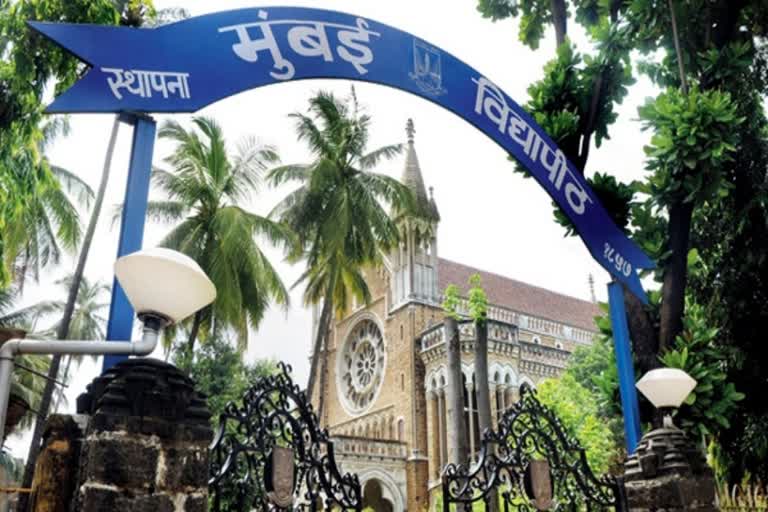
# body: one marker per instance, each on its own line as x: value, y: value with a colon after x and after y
x: 427, y: 68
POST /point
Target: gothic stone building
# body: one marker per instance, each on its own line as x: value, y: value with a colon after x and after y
x: 384, y: 400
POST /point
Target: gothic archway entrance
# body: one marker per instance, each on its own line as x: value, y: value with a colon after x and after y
x: 373, y: 497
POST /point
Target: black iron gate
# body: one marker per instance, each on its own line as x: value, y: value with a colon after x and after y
x: 270, y: 454
x: 530, y: 463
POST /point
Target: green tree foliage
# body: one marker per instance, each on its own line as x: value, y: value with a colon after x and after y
x: 579, y: 411
x: 89, y: 319
x: 339, y: 208
x: 477, y: 299
x: 30, y: 65
x: 26, y: 385
x: 452, y: 301
x: 709, y: 407
x: 218, y: 369
x: 707, y: 172
x: 205, y: 191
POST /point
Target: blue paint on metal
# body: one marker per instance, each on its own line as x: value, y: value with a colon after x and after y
x: 625, y: 366
x: 184, y: 66
x: 120, y: 324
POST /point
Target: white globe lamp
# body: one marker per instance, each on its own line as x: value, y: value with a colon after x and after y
x: 666, y: 389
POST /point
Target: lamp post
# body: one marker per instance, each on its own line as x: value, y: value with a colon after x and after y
x: 162, y: 285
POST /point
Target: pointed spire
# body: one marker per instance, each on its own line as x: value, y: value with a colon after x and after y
x: 591, y: 281
x: 433, y: 205
x: 412, y: 172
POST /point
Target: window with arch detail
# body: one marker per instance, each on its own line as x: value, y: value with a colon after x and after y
x: 361, y: 366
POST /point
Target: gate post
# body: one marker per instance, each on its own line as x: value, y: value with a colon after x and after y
x: 624, y: 366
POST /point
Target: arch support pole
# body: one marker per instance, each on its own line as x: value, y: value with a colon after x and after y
x: 624, y: 366
x: 120, y: 323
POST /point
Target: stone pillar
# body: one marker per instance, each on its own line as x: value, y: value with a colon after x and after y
x: 146, y: 445
x: 494, y: 406
x: 668, y: 473
x: 433, y: 432
x: 443, y: 457
x: 55, y: 476
x: 456, y: 431
x: 481, y: 378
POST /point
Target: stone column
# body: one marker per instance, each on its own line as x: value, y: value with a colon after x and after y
x: 146, y: 445
x: 494, y: 407
x: 442, y: 424
x: 433, y: 432
x: 457, y: 434
x: 481, y: 378
x: 668, y: 472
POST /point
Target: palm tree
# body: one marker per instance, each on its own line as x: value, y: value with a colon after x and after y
x: 48, y: 220
x: 88, y: 320
x: 204, y: 193
x: 337, y: 209
x: 26, y: 385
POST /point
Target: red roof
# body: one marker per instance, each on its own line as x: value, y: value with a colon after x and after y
x: 522, y: 297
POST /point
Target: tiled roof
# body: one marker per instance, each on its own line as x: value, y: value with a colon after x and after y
x: 521, y: 297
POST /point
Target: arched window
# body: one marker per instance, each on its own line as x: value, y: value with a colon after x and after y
x: 401, y: 430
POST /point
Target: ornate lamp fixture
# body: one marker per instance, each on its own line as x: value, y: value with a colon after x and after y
x: 665, y: 450
x: 667, y: 389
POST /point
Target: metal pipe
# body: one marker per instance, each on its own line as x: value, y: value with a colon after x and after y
x: 10, y: 349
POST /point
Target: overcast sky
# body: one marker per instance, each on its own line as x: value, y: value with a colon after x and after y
x: 492, y: 218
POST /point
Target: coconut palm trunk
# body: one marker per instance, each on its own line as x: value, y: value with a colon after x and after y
x: 63, y: 328
x: 319, y: 351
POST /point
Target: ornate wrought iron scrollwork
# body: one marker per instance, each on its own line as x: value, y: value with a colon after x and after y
x: 275, y: 412
x: 530, y: 431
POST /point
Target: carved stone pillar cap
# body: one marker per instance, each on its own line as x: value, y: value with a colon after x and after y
x: 141, y: 390
x: 664, y: 451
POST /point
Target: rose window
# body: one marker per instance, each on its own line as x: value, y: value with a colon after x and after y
x: 361, y: 366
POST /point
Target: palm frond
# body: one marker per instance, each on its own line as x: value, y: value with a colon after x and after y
x: 72, y: 183
x: 372, y: 159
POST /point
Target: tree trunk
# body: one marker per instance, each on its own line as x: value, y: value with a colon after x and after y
x: 63, y: 330
x: 559, y: 19
x: 642, y: 332
x: 675, y: 274
x: 194, y: 331
x: 323, y: 375
x: 317, y: 347
x: 64, y: 378
x: 457, y: 435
